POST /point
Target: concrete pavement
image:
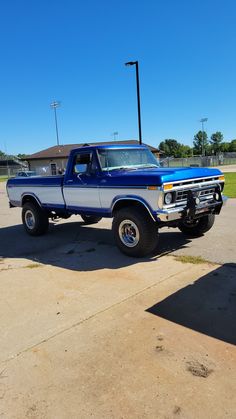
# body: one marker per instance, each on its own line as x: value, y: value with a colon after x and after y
x: 227, y: 168
x: 155, y: 339
x: 87, y: 332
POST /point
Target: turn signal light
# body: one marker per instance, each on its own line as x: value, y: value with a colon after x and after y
x: 222, y: 178
x: 167, y: 187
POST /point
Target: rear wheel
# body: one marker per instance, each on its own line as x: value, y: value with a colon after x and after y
x: 135, y: 233
x: 35, y: 219
x: 198, y: 227
x: 90, y: 219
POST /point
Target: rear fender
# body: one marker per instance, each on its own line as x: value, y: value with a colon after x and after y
x: 30, y: 197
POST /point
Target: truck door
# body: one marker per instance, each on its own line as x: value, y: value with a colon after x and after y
x: 53, y: 169
x: 81, y: 190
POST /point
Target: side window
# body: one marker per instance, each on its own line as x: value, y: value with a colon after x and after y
x: 82, y: 163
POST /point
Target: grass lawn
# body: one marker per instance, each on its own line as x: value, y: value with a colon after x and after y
x: 230, y: 185
x: 3, y: 178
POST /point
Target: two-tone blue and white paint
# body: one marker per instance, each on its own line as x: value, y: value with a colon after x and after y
x: 101, y: 192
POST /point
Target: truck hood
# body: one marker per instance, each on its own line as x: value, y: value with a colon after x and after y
x: 153, y: 176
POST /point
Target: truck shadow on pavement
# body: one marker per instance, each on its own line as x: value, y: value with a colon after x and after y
x: 207, y: 306
x: 76, y: 246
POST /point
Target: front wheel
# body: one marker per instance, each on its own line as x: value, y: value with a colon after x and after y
x: 135, y: 233
x: 35, y: 219
x: 198, y: 227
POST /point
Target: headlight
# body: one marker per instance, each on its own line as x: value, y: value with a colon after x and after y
x: 168, y: 198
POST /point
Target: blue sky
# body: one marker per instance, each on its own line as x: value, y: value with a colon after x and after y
x: 74, y: 51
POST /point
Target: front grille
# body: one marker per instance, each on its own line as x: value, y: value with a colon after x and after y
x: 203, y: 195
x: 203, y: 188
x: 182, y: 195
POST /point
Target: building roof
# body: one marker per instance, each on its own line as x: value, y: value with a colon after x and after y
x: 63, y: 151
x: 11, y: 162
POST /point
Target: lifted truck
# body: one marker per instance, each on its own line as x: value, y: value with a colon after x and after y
x: 124, y: 183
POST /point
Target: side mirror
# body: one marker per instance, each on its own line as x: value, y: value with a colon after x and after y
x: 80, y: 168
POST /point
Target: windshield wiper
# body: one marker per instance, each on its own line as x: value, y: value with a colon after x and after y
x: 144, y: 166
x: 149, y: 165
x: 111, y: 169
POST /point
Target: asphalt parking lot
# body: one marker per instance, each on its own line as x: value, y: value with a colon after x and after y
x: 88, y: 332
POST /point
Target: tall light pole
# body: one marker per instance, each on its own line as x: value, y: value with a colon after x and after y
x: 54, y: 105
x: 202, y: 122
x: 138, y: 98
x: 115, y: 135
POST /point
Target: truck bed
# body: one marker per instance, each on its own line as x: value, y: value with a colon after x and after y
x: 47, y: 189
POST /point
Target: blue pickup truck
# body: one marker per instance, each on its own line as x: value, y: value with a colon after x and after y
x: 127, y: 184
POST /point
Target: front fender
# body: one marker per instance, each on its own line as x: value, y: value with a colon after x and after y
x: 138, y: 199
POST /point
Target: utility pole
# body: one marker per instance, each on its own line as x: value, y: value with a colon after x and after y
x: 202, y: 122
x: 115, y: 135
x: 54, y: 105
x: 138, y: 97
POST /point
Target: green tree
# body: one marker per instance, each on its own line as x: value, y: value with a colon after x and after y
x: 173, y: 148
x: 200, y: 143
x: 184, y: 151
x: 215, y: 141
x: 21, y: 156
x: 224, y: 147
x: 2, y: 154
x: 169, y: 147
x: 232, y: 146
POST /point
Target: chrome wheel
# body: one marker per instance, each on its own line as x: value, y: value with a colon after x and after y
x: 129, y: 233
x: 30, y: 220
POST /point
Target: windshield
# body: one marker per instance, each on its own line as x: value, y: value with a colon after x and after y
x: 127, y: 159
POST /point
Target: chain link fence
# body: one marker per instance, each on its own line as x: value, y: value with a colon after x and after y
x: 200, y: 161
x: 9, y: 167
x: 10, y: 171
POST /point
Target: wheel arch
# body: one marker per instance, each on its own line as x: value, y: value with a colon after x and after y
x: 122, y: 202
x: 30, y: 197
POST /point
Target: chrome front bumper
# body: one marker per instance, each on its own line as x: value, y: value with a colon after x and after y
x: 172, y: 214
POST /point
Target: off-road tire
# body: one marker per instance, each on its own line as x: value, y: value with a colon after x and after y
x: 35, y: 219
x: 90, y: 219
x: 198, y: 227
x: 146, y: 228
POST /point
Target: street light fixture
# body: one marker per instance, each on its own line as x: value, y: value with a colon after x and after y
x: 202, y: 122
x: 138, y: 97
x: 115, y: 135
x: 54, y: 105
